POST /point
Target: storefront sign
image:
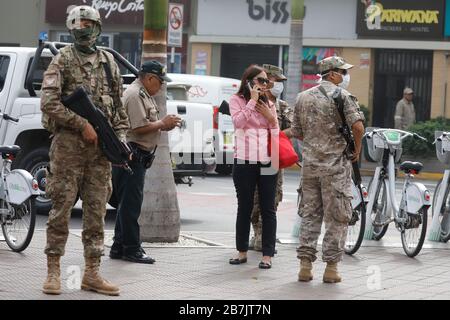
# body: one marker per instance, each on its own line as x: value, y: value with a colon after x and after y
x: 420, y: 19
x: 129, y: 12
x: 175, y: 30
x: 447, y: 19
x: 244, y: 18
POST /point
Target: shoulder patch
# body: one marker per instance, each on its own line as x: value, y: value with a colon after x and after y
x: 142, y: 93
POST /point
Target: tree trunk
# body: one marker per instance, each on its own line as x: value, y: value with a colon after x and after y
x: 294, y: 70
x: 160, y: 215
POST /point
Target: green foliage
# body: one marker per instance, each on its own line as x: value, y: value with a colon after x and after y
x: 426, y: 129
x: 366, y: 112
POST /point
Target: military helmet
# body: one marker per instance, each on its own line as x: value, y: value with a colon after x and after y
x: 82, y: 12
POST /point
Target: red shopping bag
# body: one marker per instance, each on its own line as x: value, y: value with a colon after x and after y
x: 286, y: 152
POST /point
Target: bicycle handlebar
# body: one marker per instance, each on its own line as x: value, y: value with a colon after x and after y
x: 405, y: 134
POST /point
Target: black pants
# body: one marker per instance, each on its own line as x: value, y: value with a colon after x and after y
x: 129, y: 190
x: 246, y: 177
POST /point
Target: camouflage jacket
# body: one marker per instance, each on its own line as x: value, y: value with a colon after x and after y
x: 71, y: 69
x: 285, y: 114
x: 317, y: 120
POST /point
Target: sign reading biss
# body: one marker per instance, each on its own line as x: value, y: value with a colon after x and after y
x: 418, y: 19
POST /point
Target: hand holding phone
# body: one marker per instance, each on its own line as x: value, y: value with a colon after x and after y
x: 254, y: 91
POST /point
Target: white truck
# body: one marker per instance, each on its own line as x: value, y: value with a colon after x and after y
x: 20, y: 82
x: 214, y: 90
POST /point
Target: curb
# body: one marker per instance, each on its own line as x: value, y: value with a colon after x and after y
x: 370, y: 172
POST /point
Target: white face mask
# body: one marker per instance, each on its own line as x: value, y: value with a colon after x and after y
x: 345, y: 81
x: 277, y: 89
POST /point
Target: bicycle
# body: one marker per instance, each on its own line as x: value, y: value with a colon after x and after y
x: 18, y: 191
x: 441, y: 200
x: 410, y: 216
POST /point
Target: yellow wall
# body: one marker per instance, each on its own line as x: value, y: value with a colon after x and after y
x: 441, y: 74
x: 360, y: 81
x: 198, y: 47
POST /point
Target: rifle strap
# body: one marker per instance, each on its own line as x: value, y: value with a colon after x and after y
x: 109, y: 76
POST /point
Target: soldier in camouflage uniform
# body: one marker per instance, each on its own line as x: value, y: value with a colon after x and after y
x: 77, y: 163
x: 326, y: 177
x: 285, y: 114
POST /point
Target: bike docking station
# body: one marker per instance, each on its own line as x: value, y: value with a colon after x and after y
x: 440, y: 224
x: 410, y: 215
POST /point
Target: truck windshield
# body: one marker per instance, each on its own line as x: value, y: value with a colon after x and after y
x: 4, y: 64
x: 39, y: 72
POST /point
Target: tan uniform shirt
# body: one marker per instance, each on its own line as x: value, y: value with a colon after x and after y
x: 142, y: 110
x: 405, y: 114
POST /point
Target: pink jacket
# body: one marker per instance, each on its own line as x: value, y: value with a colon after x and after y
x: 251, y: 130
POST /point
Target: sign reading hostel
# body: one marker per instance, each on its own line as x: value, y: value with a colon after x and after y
x: 175, y: 32
x: 401, y: 19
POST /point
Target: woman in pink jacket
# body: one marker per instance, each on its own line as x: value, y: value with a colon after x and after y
x: 255, y: 119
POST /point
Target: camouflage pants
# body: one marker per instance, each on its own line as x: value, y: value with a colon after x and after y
x: 77, y: 167
x: 256, y: 213
x: 326, y: 199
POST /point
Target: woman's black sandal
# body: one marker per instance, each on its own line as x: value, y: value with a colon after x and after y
x: 238, y: 261
x: 265, y: 265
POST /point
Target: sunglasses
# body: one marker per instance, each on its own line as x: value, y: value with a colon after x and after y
x: 262, y: 80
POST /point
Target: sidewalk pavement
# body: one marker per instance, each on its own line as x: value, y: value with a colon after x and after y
x: 203, y: 273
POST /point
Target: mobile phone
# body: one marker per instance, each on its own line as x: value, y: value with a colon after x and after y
x: 250, y: 87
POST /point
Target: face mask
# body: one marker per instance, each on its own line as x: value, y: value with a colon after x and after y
x: 86, y: 38
x: 345, y: 81
x: 277, y: 89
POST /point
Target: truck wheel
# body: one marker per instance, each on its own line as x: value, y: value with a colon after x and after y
x: 36, y: 162
x: 224, y: 169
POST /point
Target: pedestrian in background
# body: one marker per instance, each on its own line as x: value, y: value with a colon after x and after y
x: 284, y: 114
x: 254, y: 116
x: 326, y: 180
x: 143, y: 138
x: 405, y: 115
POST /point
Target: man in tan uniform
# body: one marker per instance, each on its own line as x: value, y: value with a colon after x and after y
x: 326, y: 180
x: 405, y: 115
x: 143, y: 138
x: 77, y: 163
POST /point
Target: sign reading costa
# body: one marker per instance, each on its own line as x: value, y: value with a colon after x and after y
x: 401, y: 19
x: 129, y: 12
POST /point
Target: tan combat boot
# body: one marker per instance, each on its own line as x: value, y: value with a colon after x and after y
x: 305, y: 273
x: 331, y: 274
x: 92, y: 281
x: 53, y: 283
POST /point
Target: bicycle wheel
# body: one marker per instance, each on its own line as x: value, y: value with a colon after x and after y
x: 355, y: 232
x: 379, y: 211
x: 444, y: 213
x: 18, y: 225
x: 413, y: 236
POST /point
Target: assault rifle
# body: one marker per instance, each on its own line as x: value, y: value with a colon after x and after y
x: 116, y: 151
x: 346, y: 131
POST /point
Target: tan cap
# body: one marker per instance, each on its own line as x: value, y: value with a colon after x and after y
x: 408, y: 91
x: 274, y: 71
x: 334, y: 62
